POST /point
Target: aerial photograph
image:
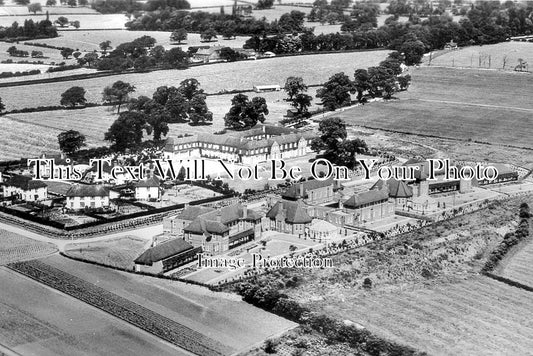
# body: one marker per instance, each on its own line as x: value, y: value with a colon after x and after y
x: 266, y: 177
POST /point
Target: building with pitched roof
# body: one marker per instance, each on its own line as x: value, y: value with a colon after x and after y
x: 173, y: 225
x: 219, y: 230
x: 148, y: 189
x: 25, y: 188
x: 84, y: 196
x: 369, y: 206
x: 261, y: 143
x: 166, y: 256
x: 290, y: 217
x: 312, y: 191
x: 399, y: 191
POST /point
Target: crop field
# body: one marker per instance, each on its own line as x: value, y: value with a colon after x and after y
x: 519, y: 266
x: 478, y: 316
x: 37, y: 320
x: 213, y: 78
x: 478, y: 56
x: 11, y: 9
x: 119, y: 252
x: 228, y: 321
x: 14, y: 247
x: 32, y: 133
x: 485, y: 106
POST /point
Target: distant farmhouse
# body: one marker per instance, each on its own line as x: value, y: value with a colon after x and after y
x: 261, y: 143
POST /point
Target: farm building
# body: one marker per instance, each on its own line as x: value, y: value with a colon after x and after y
x: 289, y: 217
x: 166, y: 256
x: 265, y: 88
x: 25, y: 188
x: 148, y: 189
x: 261, y: 143
x: 206, y: 55
x: 220, y: 230
x: 83, y: 196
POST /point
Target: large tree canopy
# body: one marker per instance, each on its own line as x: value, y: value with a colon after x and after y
x: 244, y: 113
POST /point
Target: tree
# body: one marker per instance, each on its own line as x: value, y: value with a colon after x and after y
x: 76, y: 54
x: 22, y: 2
x: 301, y: 103
x: 264, y: 4
x: 382, y: 82
x: 72, y: 3
x: 294, y: 86
x: 118, y: 93
x: 361, y: 83
x: 104, y: 46
x: 2, y: 106
x: 198, y: 111
x: 83, y: 2
x: 336, y: 92
x: 413, y: 52
x: 62, y: 21
x: 75, y: 24
x: 127, y: 131
x: 208, y: 35
x: 35, y: 7
x: 244, y: 113
x: 348, y: 150
x: 73, y: 96
x: 176, y: 58
x: 332, y: 134
x: 66, y: 52
x: 179, y: 35
x: 229, y: 54
x: 70, y: 141
x: 51, y: 2
x: 404, y: 81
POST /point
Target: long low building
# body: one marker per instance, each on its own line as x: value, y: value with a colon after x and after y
x: 259, y: 144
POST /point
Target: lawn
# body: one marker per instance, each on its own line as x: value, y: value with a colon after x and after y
x: 485, y: 106
x: 119, y: 252
x: 213, y: 78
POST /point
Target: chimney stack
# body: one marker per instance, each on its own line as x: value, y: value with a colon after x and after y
x: 301, y: 190
x: 244, y: 212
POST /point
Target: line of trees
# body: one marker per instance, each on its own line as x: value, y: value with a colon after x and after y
x: 30, y: 30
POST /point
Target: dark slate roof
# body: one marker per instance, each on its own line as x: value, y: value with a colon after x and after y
x: 147, y: 183
x: 59, y: 188
x: 295, y: 213
x: 84, y: 190
x: 397, y: 188
x: 216, y: 221
x: 163, y: 251
x: 239, y: 140
x: 293, y: 192
x: 24, y: 182
x: 371, y: 196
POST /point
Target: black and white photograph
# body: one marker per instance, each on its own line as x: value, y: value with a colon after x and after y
x: 266, y: 177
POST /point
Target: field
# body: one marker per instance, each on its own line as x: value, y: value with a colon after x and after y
x: 88, y: 21
x: 119, y: 252
x: 213, y: 78
x: 478, y: 56
x: 90, y: 40
x: 224, y: 318
x: 14, y: 247
x: 478, y: 316
x: 37, y: 320
x: 486, y: 106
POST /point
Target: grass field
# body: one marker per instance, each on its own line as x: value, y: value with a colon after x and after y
x: 213, y: 78
x: 478, y: 56
x: 14, y: 247
x: 90, y: 40
x: 91, y: 20
x: 485, y: 106
x: 119, y: 252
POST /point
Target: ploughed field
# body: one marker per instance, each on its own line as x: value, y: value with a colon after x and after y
x: 478, y: 316
x: 315, y: 69
x: 192, y: 317
x: 37, y: 320
x: 14, y: 247
x: 484, y: 106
